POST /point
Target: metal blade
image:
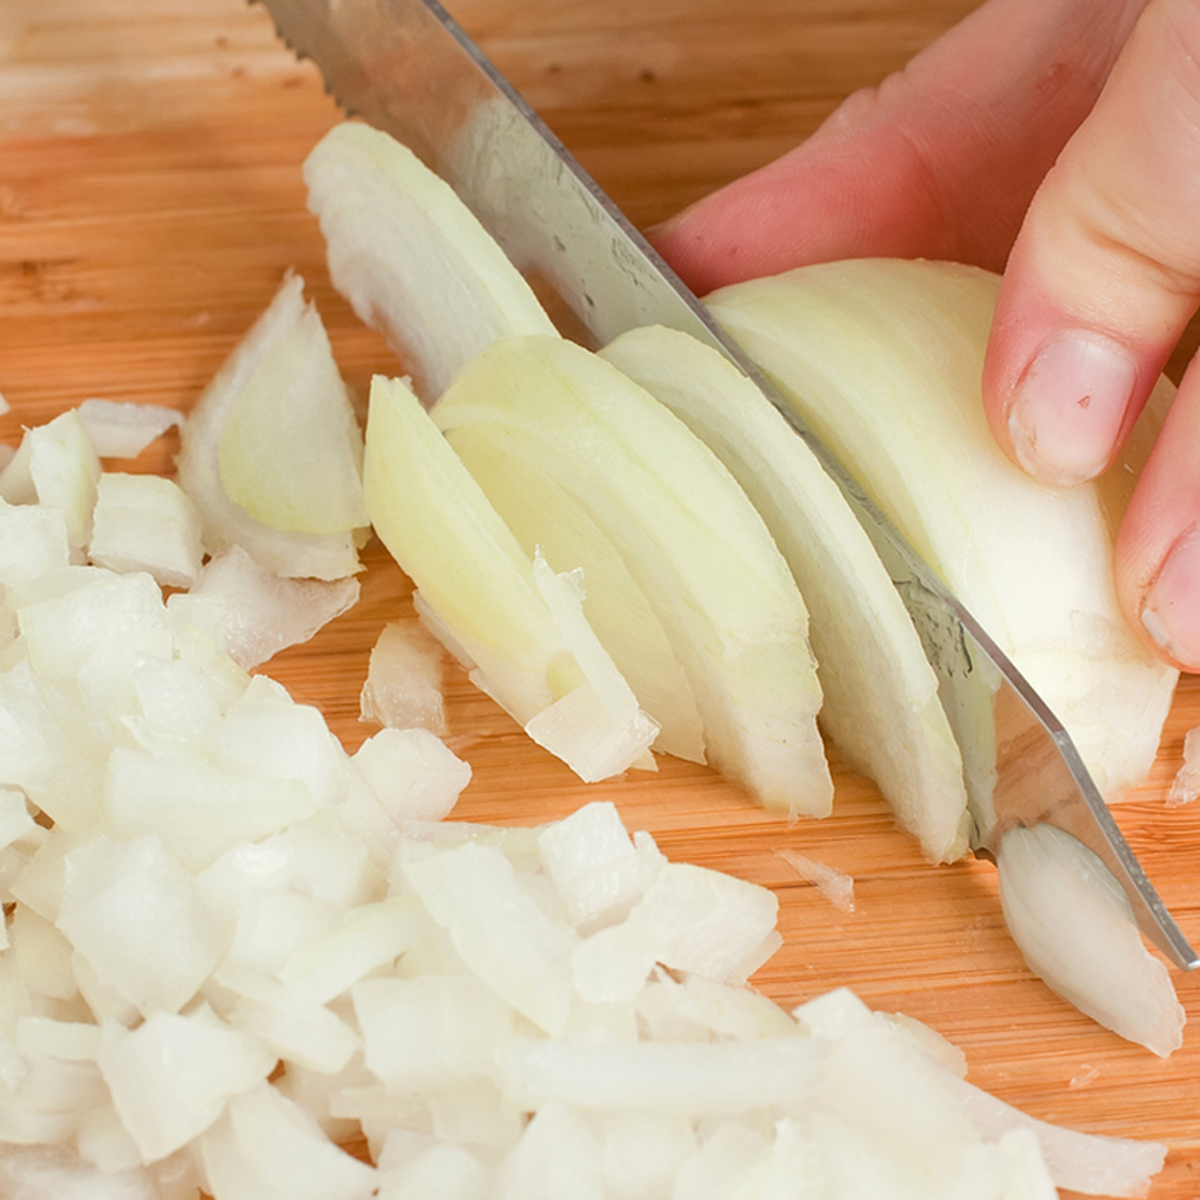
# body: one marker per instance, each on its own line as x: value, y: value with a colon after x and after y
x: 406, y: 67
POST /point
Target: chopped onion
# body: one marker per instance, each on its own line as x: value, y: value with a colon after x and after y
x: 120, y: 430
x: 1185, y: 787
x: 404, y: 680
x: 254, y: 613
x: 146, y: 523
x: 56, y: 466
x: 835, y: 885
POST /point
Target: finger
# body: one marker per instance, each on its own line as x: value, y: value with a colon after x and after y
x: 938, y: 162
x: 1158, y: 546
x: 1105, y: 273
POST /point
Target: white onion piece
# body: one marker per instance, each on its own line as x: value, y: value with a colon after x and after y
x: 413, y: 775
x: 1075, y: 928
x: 880, y: 706
x: 689, y: 536
x: 56, y: 1173
x: 404, y: 679
x: 33, y: 542
x: 835, y: 885
x: 56, y: 466
x: 136, y: 915
x: 683, y: 1078
x: 124, y: 430
x: 146, y: 523
x: 518, y: 629
x: 882, y: 359
x: 1086, y: 1163
x: 172, y: 1077
x: 411, y: 258
x: 1185, y: 787
x: 598, y: 870
x: 257, y: 613
x: 499, y: 930
x: 287, y: 333
x: 267, y: 1148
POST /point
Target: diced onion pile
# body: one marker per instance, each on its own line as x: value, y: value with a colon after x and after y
x: 233, y: 949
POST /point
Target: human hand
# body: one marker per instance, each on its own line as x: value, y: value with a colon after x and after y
x: 1062, y: 138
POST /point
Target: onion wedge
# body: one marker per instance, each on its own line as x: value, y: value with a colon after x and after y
x: 882, y: 359
x: 881, y: 706
x: 271, y: 453
x: 411, y: 258
x: 517, y: 626
x: 688, y: 535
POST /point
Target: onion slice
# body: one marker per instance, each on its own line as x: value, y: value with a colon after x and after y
x: 881, y: 706
x: 411, y: 258
x: 517, y: 627
x: 687, y: 533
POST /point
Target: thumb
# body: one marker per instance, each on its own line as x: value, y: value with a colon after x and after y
x: 1105, y: 273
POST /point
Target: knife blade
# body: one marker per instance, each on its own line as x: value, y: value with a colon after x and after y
x: 407, y: 68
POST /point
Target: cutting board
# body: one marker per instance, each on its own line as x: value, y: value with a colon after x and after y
x: 151, y: 200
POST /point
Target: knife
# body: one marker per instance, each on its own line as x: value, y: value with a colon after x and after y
x: 407, y: 68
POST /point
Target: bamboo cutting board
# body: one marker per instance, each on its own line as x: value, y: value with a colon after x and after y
x: 150, y: 201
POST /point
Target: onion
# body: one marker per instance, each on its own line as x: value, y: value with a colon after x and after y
x: 146, y: 523
x: 1185, y: 787
x: 882, y: 359
x: 692, y: 541
x: 270, y: 452
x: 404, y: 680
x: 410, y: 257
x: 231, y: 944
x: 1073, y: 923
x: 56, y: 466
x: 515, y: 625
x: 118, y: 430
x: 880, y: 694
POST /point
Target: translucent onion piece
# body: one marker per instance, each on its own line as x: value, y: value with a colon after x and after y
x: 288, y: 335
x: 1075, y: 928
x: 123, y: 430
x: 518, y: 629
x: 880, y: 694
x: 1185, y: 787
x: 252, y: 612
x: 403, y: 688
x: 835, y: 885
x: 411, y: 258
x: 291, y: 450
x: 689, y: 537
x: 882, y: 358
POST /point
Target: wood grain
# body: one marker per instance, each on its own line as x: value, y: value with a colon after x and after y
x: 150, y: 201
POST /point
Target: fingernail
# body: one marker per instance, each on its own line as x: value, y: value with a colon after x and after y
x: 1171, y: 609
x: 1069, y: 406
